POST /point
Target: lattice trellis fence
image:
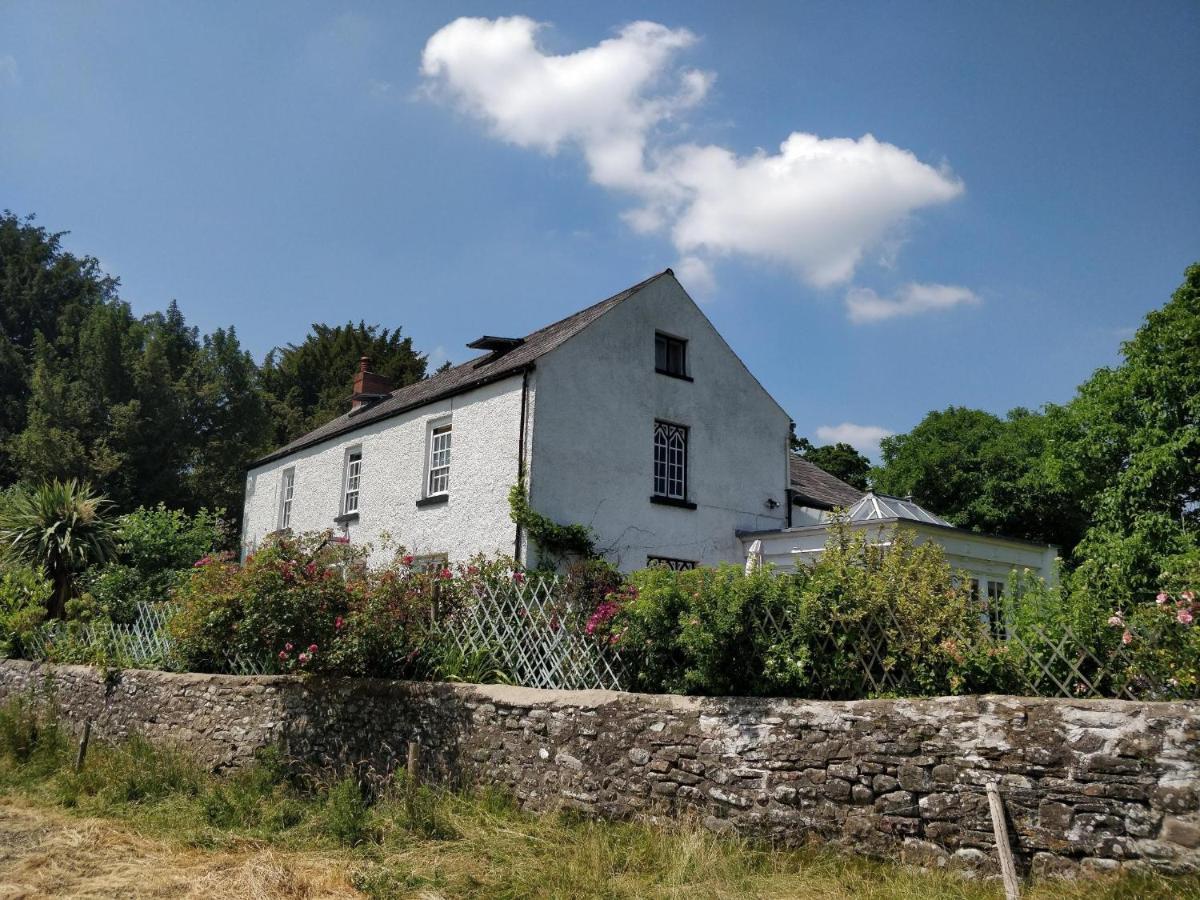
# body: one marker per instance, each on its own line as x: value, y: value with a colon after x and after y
x: 537, y: 638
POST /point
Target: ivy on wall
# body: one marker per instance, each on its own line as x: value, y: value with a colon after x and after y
x: 551, y: 538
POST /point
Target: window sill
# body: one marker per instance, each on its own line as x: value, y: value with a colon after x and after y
x: 672, y: 501
x: 435, y: 500
x: 345, y: 517
x: 674, y: 375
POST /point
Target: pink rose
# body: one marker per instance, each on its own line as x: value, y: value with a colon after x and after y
x: 312, y: 648
x: 519, y: 577
x: 338, y: 622
x: 1127, y: 638
x: 204, y: 561
x: 1116, y: 621
x: 445, y: 573
x: 1162, y: 598
x: 283, y: 654
x: 1189, y: 596
x: 1184, y: 617
x: 287, y: 647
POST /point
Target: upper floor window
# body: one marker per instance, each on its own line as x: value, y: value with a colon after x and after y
x: 670, y: 461
x: 439, y: 460
x: 353, y: 480
x: 286, y: 493
x: 670, y: 355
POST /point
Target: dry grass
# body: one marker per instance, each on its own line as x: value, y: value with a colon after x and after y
x: 44, y: 853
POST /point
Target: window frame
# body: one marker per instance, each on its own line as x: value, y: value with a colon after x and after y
x: 437, y: 429
x: 287, y: 497
x: 669, y: 494
x: 670, y: 341
x: 347, y: 475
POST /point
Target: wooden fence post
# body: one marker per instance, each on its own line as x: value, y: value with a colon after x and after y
x: 83, y: 745
x: 1008, y: 868
x: 414, y: 762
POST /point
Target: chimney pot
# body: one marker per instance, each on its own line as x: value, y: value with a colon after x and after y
x: 364, y: 363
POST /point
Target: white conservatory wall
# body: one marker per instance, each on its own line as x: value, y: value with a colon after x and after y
x: 598, y: 398
x: 483, y: 467
x: 982, y: 556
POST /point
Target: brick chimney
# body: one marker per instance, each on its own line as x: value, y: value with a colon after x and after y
x: 368, y: 387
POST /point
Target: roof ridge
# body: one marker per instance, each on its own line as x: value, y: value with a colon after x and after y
x: 468, y: 375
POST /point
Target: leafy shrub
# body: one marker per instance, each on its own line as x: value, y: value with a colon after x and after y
x: 721, y: 631
x: 156, y: 548
x: 24, y: 595
x: 1161, y: 640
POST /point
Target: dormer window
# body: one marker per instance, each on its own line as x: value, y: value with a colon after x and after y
x: 670, y: 355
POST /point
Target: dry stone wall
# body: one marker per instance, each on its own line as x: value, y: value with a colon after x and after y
x: 1088, y: 785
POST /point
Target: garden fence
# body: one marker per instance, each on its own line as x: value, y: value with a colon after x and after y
x: 537, y: 640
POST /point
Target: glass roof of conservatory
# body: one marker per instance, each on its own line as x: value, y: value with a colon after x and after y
x: 881, y: 506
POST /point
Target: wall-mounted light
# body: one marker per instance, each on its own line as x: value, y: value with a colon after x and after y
x: 772, y: 503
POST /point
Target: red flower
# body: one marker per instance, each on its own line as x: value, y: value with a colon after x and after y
x: 310, y: 570
x: 519, y: 577
x: 445, y: 573
x: 338, y: 622
x: 312, y: 648
x: 408, y: 560
x: 339, y: 539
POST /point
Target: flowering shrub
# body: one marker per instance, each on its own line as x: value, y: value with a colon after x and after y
x: 1162, y: 643
x: 302, y: 604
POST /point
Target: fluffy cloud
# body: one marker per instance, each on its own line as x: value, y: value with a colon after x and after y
x: 863, y: 438
x: 815, y: 207
x: 864, y: 305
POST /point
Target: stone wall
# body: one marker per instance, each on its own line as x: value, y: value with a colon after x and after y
x: 1092, y: 785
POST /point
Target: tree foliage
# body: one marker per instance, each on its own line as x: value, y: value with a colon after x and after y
x: 309, y: 383
x: 840, y: 460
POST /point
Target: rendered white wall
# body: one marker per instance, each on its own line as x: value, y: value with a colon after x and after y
x: 483, y: 468
x: 598, y: 398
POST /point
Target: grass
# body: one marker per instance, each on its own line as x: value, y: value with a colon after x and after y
x: 328, y: 835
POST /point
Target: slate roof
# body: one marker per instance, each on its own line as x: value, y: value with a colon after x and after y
x: 813, y: 486
x: 461, y: 378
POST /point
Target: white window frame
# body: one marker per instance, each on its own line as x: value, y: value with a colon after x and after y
x: 670, y: 460
x: 352, y: 481
x: 438, y: 458
x: 287, y: 496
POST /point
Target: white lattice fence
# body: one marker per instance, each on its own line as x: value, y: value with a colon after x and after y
x: 538, y: 640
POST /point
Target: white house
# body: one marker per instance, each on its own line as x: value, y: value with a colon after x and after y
x: 987, y: 559
x: 633, y: 417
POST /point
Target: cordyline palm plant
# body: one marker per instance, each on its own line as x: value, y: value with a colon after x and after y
x: 60, y: 527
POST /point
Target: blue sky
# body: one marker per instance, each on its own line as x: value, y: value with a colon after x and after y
x: 1032, y: 188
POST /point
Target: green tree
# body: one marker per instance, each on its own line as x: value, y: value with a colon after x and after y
x: 309, y: 383
x: 844, y: 461
x: 43, y: 289
x: 61, y: 528
x: 1131, y: 437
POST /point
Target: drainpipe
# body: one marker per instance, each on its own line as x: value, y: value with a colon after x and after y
x: 521, y: 452
x: 787, y: 498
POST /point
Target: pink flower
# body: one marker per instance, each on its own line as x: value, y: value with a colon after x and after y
x: 1189, y: 596
x: 1116, y: 621
x: 339, y: 539
x: 310, y: 570
x: 1162, y: 598
x: 287, y: 647
x: 283, y: 654
x: 303, y: 657
x: 205, y: 560
x: 519, y: 577
x: 338, y: 622
x: 1127, y: 638
x: 1184, y: 617
x: 445, y: 573
x: 312, y: 648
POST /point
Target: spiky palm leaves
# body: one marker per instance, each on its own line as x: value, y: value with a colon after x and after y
x: 60, y: 527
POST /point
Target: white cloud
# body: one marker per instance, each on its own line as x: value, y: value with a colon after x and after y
x: 864, y: 305
x: 863, y: 438
x: 10, y: 72
x: 697, y: 275
x: 816, y: 207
